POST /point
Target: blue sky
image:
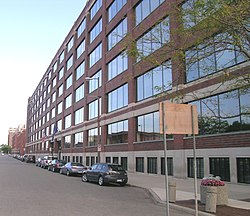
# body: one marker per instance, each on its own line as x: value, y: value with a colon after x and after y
x: 31, y: 32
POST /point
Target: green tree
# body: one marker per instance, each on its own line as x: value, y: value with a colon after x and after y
x: 5, y: 149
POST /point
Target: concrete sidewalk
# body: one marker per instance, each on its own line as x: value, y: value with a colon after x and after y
x: 155, y: 184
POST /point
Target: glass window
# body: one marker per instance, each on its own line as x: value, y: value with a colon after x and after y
x: 117, y: 65
x: 60, y: 73
x: 158, y: 36
x: 169, y: 164
x: 60, y: 90
x: 144, y: 8
x: 67, y: 121
x: 70, y: 62
x: 95, y: 55
x: 59, y: 125
x: 79, y: 139
x: 93, y: 109
x: 70, y: 44
x: 117, y: 34
x: 199, y: 165
x: 118, y: 132
x: 68, y: 101
x: 79, y: 93
x: 154, y: 82
x: 95, y: 8
x: 118, y: 98
x: 93, y: 83
x: 96, y: 30
x: 67, y: 141
x: 81, y: 28
x: 69, y: 82
x: 55, y: 66
x: 80, y: 70
x: 148, y: 127
x: 139, y: 164
x: 220, y: 167
x: 79, y: 116
x: 53, y: 99
x: 152, y: 165
x: 115, y: 7
x: 80, y: 49
x: 61, y: 57
x: 92, y: 137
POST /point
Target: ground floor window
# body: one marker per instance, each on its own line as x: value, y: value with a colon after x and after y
x: 243, y: 170
x: 199, y: 165
x: 92, y: 160
x: 108, y: 159
x: 220, y: 167
x: 68, y: 159
x: 124, y: 163
x: 152, y: 165
x: 170, y: 166
x: 139, y: 164
x: 87, y: 161
x: 115, y: 160
x: 80, y: 159
x: 77, y: 159
x: 74, y: 159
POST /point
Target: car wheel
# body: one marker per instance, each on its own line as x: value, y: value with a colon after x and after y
x: 61, y: 172
x: 84, y: 177
x: 101, y: 181
x: 68, y: 173
x: 122, y: 184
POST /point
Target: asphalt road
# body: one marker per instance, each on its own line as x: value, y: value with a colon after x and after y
x: 29, y: 190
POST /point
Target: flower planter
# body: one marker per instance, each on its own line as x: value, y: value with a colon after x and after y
x: 222, y: 195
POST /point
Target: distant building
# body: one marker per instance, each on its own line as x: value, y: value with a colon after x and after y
x: 11, y: 133
x: 18, y: 139
x: 92, y: 88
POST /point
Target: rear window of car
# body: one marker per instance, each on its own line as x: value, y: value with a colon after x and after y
x: 115, y: 168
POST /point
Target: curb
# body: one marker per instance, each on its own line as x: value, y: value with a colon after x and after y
x: 158, y: 201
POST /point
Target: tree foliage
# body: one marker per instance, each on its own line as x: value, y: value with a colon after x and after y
x: 5, y: 149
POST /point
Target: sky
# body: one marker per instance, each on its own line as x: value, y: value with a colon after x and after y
x: 31, y: 32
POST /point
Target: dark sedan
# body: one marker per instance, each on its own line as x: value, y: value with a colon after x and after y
x: 105, y: 173
x: 56, y: 165
x: 72, y: 168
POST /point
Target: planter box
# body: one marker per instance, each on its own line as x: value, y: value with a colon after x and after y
x: 222, y: 195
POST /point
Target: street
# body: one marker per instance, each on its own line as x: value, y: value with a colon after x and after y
x: 30, y: 190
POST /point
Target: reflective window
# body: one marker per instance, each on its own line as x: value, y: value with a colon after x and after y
x: 68, y: 101
x: 80, y: 49
x: 224, y: 112
x: 148, y: 127
x: 95, y: 8
x: 53, y: 98
x: 96, y: 30
x: 53, y: 113
x: 154, y: 39
x: 79, y: 116
x: 117, y: 34
x: 93, y: 109
x: 70, y: 44
x: 67, y: 141
x: 93, y: 83
x: 144, y: 8
x: 117, y: 65
x: 79, y: 139
x: 80, y: 70
x: 67, y: 121
x: 95, y: 55
x: 54, y: 82
x: 60, y: 90
x: 210, y: 57
x: 60, y: 73
x: 118, y: 98
x: 55, y: 66
x: 81, y: 27
x: 61, y: 57
x: 115, y: 7
x: 59, y: 108
x: 93, y: 137
x: 59, y: 125
x: 154, y: 81
x: 69, y: 62
x: 79, y: 93
x: 118, y: 132
x: 69, y: 82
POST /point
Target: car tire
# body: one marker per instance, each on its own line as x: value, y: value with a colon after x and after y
x: 100, y: 181
x: 68, y: 173
x: 122, y: 184
x: 84, y: 177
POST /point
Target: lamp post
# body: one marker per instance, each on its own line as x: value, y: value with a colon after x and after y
x: 98, y: 117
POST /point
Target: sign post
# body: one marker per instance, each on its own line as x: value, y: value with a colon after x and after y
x: 179, y: 119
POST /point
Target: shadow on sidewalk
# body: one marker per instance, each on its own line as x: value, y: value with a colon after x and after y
x: 220, y: 210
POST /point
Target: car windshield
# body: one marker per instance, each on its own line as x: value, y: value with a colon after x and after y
x: 115, y: 168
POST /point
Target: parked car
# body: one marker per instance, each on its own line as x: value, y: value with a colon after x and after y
x: 72, y: 168
x: 105, y: 173
x: 46, y: 160
x: 23, y: 158
x: 30, y: 159
x: 56, y: 165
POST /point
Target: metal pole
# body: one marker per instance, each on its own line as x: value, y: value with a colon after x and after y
x: 165, y: 156
x: 98, y: 124
x: 195, y: 166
